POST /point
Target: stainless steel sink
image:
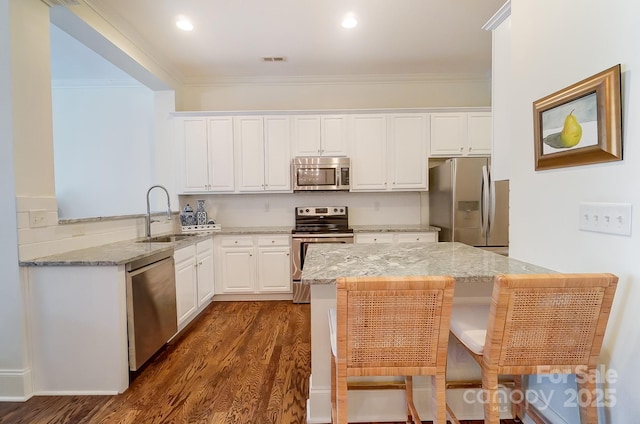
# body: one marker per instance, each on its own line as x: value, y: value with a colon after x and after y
x: 168, y: 238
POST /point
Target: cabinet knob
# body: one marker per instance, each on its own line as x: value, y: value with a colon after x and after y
x: 273, y: 241
x: 461, y: 149
x: 236, y: 242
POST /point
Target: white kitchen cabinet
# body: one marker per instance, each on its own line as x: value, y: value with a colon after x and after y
x: 205, y: 274
x: 205, y: 151
x: 263, y: 153
x: 371, y: 238
x: 274, y: 264
x: 407, y: 147
x: 254, y: 264
x: 186, y: 284
x: 194, y: 280
x: 460, y: 134
x: 320, y: 135
x: 369, y: 153
x: 389, y: 152
x: 236, y: 264
x: 397, y: 237
x: 426, y: 237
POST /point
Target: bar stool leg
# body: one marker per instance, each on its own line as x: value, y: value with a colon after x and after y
x: 587, y: 397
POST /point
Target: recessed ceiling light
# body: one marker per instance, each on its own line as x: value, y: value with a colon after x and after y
x: 349, y: 21
x: 184, y: 24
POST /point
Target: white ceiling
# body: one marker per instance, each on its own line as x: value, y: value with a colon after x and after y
x: 393, y: 37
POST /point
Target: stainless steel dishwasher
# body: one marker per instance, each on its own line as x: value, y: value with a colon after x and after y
x: 151, y: 306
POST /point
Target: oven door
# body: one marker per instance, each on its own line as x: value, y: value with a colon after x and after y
x: 299, y: 245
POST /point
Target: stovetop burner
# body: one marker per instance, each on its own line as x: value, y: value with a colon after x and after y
x: 322, y: 220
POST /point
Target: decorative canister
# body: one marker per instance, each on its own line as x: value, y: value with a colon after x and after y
x: 201, y: 214
x: 188, y: 217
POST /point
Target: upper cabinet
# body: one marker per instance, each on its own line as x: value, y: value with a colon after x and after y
x: 500, y: 27
x: 205, y: 152
x: 460, y: 134
x: 263, y: 153
x: 320, y: 135
x: 389, y: 152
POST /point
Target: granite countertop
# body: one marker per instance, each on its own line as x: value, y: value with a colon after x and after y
x: 401, y: 228
x: 119, y: 253
x: 326, y: 262
x: 123, y: 252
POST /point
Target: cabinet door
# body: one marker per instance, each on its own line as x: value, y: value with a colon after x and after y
x: 249, y: 144
x: 369, y: 153
x: 238, y: 271
x: 306, y: 130
x: 333, y: 135
x: 204, y: 259
x: 220, y: 134
x: 277, y: 151
x: 479, y: 133
x: 427, y: 237
x: 448, y: 134
x: 274, y: 269
x: 408, y: 140
x: 193, y: 145
x: 374, y: 238
x: 186, y: 282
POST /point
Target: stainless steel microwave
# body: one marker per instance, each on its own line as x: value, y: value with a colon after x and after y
x: 320, y: 173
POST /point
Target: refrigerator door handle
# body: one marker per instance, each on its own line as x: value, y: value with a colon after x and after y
x: 485, y: 199
x: 492, y: 204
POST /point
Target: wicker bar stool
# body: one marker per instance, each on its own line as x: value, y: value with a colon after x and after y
x: 537, y: 324
x: 390, y: 326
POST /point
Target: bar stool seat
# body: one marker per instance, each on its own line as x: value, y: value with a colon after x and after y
x: 469, y: 325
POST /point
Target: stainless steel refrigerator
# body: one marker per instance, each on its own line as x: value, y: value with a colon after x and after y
x: 468, y: 205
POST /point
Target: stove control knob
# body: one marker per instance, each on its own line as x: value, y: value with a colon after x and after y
x: 336, y: 210
x: 307, y: 210
x: 341, y: 210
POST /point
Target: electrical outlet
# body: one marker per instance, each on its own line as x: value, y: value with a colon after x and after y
x: 37, y: 218
x: 610, y: 218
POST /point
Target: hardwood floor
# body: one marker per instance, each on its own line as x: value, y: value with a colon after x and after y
x: 240, y: 362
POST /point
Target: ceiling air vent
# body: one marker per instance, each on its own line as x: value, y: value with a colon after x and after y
x: 274, y: 59
x: 53, y: 3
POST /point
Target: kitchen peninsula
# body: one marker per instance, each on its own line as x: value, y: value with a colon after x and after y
x: 473, y: 270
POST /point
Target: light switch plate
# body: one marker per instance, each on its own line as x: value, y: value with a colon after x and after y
x: 610, y: 218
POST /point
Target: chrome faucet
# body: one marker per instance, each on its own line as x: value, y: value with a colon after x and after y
x: 149, y: 220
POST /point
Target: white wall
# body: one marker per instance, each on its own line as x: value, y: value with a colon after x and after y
x: 555, y: 44
x: 14, y: 117
x: 340, y: 93
x: 96, y: 131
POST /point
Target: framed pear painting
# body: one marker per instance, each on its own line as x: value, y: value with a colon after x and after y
x: 580, y: 124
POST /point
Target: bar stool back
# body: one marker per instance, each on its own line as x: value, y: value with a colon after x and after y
x: 538, y: 324
x: 390, y: 326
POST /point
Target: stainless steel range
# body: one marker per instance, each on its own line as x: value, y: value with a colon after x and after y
x: 315, y: 224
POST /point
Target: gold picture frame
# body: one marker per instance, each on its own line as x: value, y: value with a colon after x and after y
x: 580, y: 124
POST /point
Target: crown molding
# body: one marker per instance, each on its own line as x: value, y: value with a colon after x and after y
x: 338, y: 79
x: 503, y: 13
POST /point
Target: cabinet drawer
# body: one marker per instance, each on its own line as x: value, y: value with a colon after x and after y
x: 273, y: 241
x: 184, y: 254
x: 245, y: 241
x: 374, y: 238
x: 417, y: 237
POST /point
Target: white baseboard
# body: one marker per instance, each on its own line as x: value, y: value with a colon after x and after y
x: 15, y: 385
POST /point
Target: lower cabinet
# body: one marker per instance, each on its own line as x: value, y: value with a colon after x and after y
x: 253, y: 264
x: 421, y: 237
x: 194, y: 280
